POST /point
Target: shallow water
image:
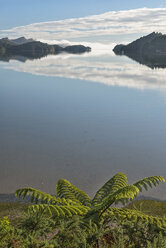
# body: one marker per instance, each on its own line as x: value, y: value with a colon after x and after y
x: 83, y: 118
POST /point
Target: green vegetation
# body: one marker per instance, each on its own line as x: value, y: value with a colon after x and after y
x: 72, y: 220
x: 11, y: 209
x: 150, y: 207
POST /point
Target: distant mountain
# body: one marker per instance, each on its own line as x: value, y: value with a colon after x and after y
x: 149, y: 50
x: 18, y: 41
x: 21, y: 40
x: 23, y: 49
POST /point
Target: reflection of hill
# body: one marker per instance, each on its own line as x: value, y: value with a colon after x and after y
x: 108, y: 70
x: 23, y: 49
x: 149, y: 50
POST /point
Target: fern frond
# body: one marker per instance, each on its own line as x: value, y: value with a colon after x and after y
x: 143, y: 184
x: 59, y: 211
x: 122, y: 214
x: 148, y: 181
x: 129, y: 192
x: 115, y: 183
x: 67, y: 190
x: 37, y: 196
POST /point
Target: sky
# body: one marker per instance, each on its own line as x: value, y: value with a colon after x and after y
x: 21, y: 12
x: 109, y: 27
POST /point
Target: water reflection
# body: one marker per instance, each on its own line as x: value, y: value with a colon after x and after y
x: 95, y: 67
x: 55, y: 127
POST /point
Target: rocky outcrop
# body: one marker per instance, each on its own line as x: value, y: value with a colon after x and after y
x: 30, y: 49
x: 149, y: 50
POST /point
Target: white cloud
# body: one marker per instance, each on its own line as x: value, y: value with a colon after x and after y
x: 144, y: 20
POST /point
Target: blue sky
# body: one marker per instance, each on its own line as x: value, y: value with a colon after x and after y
x: 22, y: 12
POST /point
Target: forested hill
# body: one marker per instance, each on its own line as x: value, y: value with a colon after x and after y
x: 30, y: 49
x: 149, y: 50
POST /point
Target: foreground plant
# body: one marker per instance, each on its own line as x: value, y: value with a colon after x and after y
x: 69, y: 200
x: 4, y: 227
x: 96, y: 213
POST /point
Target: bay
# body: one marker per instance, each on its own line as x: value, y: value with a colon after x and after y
x: 83, y: 118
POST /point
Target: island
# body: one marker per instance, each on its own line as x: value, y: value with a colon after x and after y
x: 23, y: 49
x: 149, y: 50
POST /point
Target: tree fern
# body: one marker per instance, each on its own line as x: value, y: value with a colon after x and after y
x: 71, y: 201
x: 92, y: 216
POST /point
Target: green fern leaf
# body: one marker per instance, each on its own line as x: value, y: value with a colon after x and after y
x: 59, y: 211
x: 149, y: 181
x: 66, y: 190
x: 115, y: 183
x: 129, y: 192
x: 37, y: 196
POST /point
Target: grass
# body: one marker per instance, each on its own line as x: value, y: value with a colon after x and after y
x: 13, y: 210
x: 150, y: 207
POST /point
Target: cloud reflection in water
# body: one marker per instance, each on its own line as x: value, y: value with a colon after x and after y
x: 94, y: 67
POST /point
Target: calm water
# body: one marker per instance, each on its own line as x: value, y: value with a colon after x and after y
x: 83, y: 118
